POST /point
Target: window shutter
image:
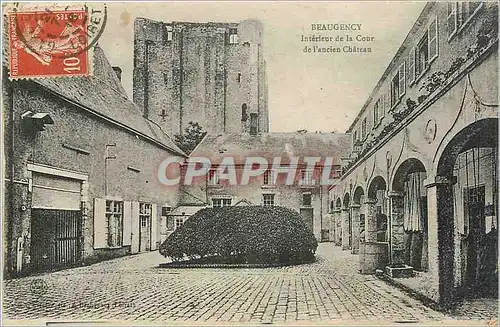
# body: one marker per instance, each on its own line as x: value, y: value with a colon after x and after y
x: 127, y: 223
x: 451, y: 21
x: 134, y: 246
x: 402, y: 79
x: 411, y: 67
x: 433, y: 40
x: 154, y: 226
x: 100, y: 224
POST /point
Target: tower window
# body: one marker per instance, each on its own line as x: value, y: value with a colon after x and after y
x: 253, y: 123
x: 170, y: 33
x: 244, y: 115
x: 238, y: 78
x: 233, y: 36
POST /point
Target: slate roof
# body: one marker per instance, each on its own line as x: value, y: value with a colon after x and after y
x: 103, y: 94
x: 188, y: 210
x: 269, y: 145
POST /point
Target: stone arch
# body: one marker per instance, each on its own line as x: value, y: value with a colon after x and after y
x: 376, y: 198
x: 346, y: 223
x: 462, y: 212
x: 338, y: 203
x: 409, y: 223
x: 358, y: 218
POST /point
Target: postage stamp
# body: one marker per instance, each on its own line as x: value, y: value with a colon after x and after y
x: 51, y: 42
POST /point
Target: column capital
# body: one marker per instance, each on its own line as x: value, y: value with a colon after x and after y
x: 355, y: 206
x: 370, y: 201
x: 394, y: 194
x: 439, y: 180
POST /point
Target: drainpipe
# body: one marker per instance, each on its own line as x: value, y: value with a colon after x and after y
x: 106, y: 158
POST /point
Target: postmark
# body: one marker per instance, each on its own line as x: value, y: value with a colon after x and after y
x: 51, y: 42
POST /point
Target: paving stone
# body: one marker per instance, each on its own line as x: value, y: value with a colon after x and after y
x: 132, y: 288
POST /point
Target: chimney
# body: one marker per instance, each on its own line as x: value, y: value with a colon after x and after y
x: 118, y: 72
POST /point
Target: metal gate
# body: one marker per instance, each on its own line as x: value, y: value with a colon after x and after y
x: 56, y: 238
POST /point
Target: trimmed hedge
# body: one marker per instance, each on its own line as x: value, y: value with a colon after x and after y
x: 249, y: 234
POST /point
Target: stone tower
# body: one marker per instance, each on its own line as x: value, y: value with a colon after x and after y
x: 210, y: 73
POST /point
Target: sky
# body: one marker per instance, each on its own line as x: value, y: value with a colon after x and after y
x: 316, y: 91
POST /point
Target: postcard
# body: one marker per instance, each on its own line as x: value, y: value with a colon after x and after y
x: 250, y: 163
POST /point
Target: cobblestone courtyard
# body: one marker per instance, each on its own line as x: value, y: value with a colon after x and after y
x: 133, y: 288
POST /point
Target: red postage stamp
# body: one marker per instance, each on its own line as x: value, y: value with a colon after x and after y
x: 48, y: 44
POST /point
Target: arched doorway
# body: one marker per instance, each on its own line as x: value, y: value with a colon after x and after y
x: 468, y: 213
x: 373, y: 252
x: 346, y: 223
x: 409, y: 220
x: 358, y: 218
x: 377, y: 199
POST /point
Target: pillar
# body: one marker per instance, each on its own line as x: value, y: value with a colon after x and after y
x: 355, y: 211
x: 346, y: 237
x: 397, y: 240
x: 338, y: 227
x: 440, y: 217
x: 371, y: 221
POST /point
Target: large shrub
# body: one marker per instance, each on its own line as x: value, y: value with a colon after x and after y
x: 250, y: 234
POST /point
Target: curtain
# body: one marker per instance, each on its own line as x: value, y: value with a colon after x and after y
x: 412, y: 205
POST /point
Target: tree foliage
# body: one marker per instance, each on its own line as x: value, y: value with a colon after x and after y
x: 192, y: 136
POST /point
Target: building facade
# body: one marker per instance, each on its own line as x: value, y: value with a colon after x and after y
x: 78, y: 188
x: 419, y: 196
x: 210, y: 73
x: 306, y: 195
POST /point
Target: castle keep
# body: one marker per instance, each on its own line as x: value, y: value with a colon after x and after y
x: 210, y: 73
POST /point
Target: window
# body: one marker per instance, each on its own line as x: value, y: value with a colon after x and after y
x: 363, y: 129
x: 253, y: 123
x: 427, y: 49
x: 213, y: 177
x: 307, y: 177
x: 179, y: 222
x: 170, y: 33
x: 165, y: 210
x: 398, y: 87
x: 144, y: 214
x: 268, y: 177
x: 221, y: 202
x: 233, y: 36
x: 244, y: 115
x: 422, y: 55
x: 306, y: 199
x: 378, y: 112
x: 465, y: 10
x: 114, y: 219
x: 268, y: 200
x: 238, y: 78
